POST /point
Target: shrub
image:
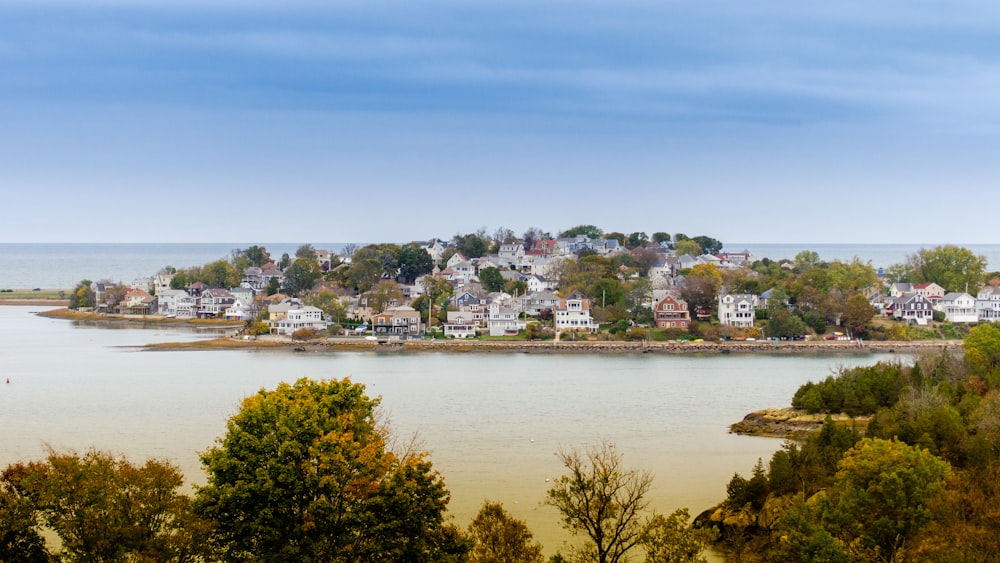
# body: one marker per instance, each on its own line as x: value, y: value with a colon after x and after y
x: 304, y: 334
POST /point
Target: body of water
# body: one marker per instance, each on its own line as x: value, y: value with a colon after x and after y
x: 493, y: 423
x: 62, y: 266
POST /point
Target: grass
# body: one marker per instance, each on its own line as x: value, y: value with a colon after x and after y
x: 29, y: 294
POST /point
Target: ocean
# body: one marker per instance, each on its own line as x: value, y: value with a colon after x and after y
x: 63, y: 265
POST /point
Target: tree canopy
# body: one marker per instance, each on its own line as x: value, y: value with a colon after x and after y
x: 303, y: 473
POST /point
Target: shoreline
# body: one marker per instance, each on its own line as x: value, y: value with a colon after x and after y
x: 508, y: 346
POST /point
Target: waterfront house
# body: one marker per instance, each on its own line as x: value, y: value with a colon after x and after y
x: 929, y: 290
x: 535, y: 302
x: 242, y: 309
x: 573, y: 313
x: 214, y: 301
x: 460, y: 325
x: 958, y: 308
x: 305, y: 317
x: 503, y: 321
x: 138, y: 302
x: 671, y: 312
x: 988, y: 304
x: 912, y: 307
x: 397, y: 321
x: 738, y: 309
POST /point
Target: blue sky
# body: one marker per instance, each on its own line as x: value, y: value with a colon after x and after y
x: 303, y: 121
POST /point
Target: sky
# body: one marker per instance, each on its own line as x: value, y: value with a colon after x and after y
x: 311, y: 121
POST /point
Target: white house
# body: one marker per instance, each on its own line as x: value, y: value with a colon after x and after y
x: 503, y: 321
x: 988, y: 304
x: 296, y: 319
x: 573, y: 313
x: 460, y: 325
x: 511, y: 252
x: 958, y: 308
x: 242, y: 309
x: 738, y: 309
x: 177, y: 303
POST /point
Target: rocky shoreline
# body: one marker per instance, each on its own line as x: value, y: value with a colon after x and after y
x: 790, y: 423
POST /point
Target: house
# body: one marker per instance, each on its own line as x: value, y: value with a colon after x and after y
x: 511, y: 252
x: 545, y: 247
x: 214, y: 301
x: 573, y: 313
x: 138, y: 302
x: 460, y: 325
x: 739, y: 309
x: 161, y: 282
x: 930, y: 290
x: 898, y: 289
x: 537, y: 301
x: 399, y: 321
x: 305, y: 317
x: 911, y: 307
x: 671, y: 312
x: 958, y: 308
x: 474, y: 314
x: 503, y: 321
x: 278, y: 311
x: 988, y: 304
x: 177, y: 303
x: 242, y: 309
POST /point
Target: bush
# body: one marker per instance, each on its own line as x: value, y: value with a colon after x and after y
x: 304, y: 334
x: 259, y: 328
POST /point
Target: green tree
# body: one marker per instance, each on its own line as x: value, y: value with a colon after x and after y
x: 414, y: 261
x: 491, y: 279
x: 881, y: 497
x: 364, y: 274
x: 671, y: 539
x: 437, y: 290
x: 952, y: 267
x: 589, y: 231
x: 303, y: 474
x: 701, y: 287
x: 601, y: 499
x: 688, y: 246
x: 20, y: 537
x: 471, y: 245
x: 982, y: 350
x: 253, y: 256
x: 306, y: 251
x: 328, y: 302
x: 660, y: 236
x: 83, y: 295
x: 806, y: 260
x: 636, y: 240
x: 301, y: 276
x: 221, y: 273
x: 858, y: 314
x: 498, y: 537
x: 708, y: 245
x: 104, y: 508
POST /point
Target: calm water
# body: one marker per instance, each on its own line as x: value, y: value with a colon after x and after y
x: 492, y: 422
x: 62, y: 266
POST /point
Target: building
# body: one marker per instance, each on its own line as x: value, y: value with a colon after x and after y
x: 671, y: 312
x: 738, y: 309
x: 958, y: 308
x: 573, y: 313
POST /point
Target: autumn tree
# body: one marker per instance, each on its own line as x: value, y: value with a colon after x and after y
x: 498, y: 537
x: 982, y: 350
x: 589, y: 231
x: 104, y: 508
x: 688, y: 246
x: 306, y: 251
x: 328, y: 302
x: 881, y: 497
x: 303, y: 473
x: 82, y: 296
x: 383, y: 294
x: 672, y: 539
x: 701, y: 287
x: 858, y: 314
x: 252, y: 256
x: 602, y: 500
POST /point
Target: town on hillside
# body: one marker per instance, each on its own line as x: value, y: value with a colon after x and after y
x: 583, y: 283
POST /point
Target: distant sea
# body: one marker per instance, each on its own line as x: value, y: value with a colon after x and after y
x: 63, y: 265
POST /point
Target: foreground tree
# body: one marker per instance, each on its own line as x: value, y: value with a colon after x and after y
x: 498, y: 537
x: 303, y: 473
x: 671, y: 539
x: 602, y: 499
x: 104, y: 508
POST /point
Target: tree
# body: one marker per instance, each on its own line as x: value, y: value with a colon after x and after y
x: 285, y: 261
x: 982, y: 349
x: 589, y: 231
x: 952, y: 267
x: 881, y: 497
x: 364, y: 274
x: 437, y: 290
x: 532, y: 235
x: 306, y: 251
x: 104, y: 508
x: 671, y: 539
x: 83, y: 295
x: 253, y: 256
x: 383, y: 294
x: 688, y: 246
x: 221, y: 273
x: 301, y: 276
x: 414, y: 261
x: 502, y: 235
x: 708, y: 245
x: 636, y: 240
x: 601, y: 499
x: 491, y: 279
x: 498, y: 537
x: 20, y: 537
x: 806, y: 260
x: 471, y: 245
x: 701, y: 287
x: 328, y: 302
x: 858, y: 314
x: 303, y: 474
x: 661, y: 237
